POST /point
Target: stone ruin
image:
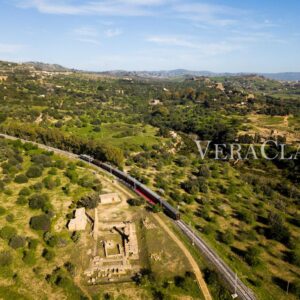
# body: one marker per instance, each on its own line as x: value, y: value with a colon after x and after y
x: 79, y: 222
x: 117, y: 256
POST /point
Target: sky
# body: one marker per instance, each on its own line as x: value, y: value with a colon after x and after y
x: 98, y: 35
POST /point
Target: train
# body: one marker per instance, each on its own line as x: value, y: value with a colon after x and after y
x: 135, y: 185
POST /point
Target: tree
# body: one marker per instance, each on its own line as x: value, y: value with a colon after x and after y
x: 41, y: 222
x: 89, y: 201
x: 7, y: 232
x: 21, y: 178
x: 204, y: 171
x: 60, y: 164
x: 39, y: 201
x: 48, y: 254
x: 227, y: 237
x: 295, y: 288
x: 136, y: 201
x: 29, y: 258
x: 34, y: 172
x: 42, y: 160
x: 72, y: 175
x: 25, y: 192
x: 246, y: 216
x: 5, y: 258
x: 278, y: 231
x: 17, y: 241
x: 32, y: 244
x: 21, y: 200
x: 50, y: 183
x: 86, y: 181
x: 294, y: 255
x: 252, y: 256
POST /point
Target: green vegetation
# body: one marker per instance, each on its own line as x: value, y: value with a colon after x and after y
x: 247, y: 210
x: 34, y: 239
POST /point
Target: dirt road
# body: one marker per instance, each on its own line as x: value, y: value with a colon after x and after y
x: 197, y: 271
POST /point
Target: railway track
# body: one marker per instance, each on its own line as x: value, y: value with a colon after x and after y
x: 235, y: 284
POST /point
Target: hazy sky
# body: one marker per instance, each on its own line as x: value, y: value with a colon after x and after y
x: 215, y: 35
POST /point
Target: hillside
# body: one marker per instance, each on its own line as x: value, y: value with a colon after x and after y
x: 248, y: 211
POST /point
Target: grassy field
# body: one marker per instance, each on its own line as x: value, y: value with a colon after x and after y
x: 239, y: 209
x: 44, y: 266
x: 123, y: 135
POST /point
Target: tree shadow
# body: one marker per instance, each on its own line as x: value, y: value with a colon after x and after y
x: 262, y: 220
x: 282, y: 283
x: 238, y: 251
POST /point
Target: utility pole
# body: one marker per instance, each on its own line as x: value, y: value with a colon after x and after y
x: 235, y: 295
x: 287, y: 288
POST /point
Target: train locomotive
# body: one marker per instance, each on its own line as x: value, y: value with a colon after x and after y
x: 135, y: 185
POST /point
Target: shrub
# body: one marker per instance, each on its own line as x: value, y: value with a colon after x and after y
x: 70, y: 268
x: 136, y: 201
x: 60, y: 164
x: 25, y: 191
x: 21, y: 179
x: 7, y: 232
x: 34, y: 172
x: 208, y: 229
x: 75, y: 236
x: 188, y: 199
x: 2, y: 211
x: 39, y: 201
x: 246, y: 216
x: 90, y: 201
x: 29, y: 258
x: 204, y: 171
x: 38, y: 186
x: 48, y: 254
x: 41, y: 222
x: 50, y: 183
x: 52, y: 171
x: 51, y: 240
x: 29, y: 146
x: 72, y: 175
x: 32, y: 244
x: 21, y: 200
x: 17, y: 241
x: 227, y: 237
x: 295, y: 288
x: 86, y: 182
x: 294, y: 256
x: 156, y: 208
x: 42, y: 160
x: 8, y: 192
x: 278, y: 231
x: 5, y: 258
x: 66, y: 189
x: 10, y: 218
x: 252, y: 256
